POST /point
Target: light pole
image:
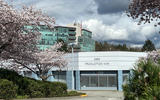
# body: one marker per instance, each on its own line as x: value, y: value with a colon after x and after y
x: 72, y: 69
x: 72, y: 45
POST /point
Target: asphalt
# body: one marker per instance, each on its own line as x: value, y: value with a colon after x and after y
x: 91, y: 95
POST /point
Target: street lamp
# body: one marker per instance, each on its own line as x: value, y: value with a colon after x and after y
x: 72, y: 45
x: 72, y: 69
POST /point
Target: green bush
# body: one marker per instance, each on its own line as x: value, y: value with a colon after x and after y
x: 17, y: 79
x: 34, y: 88
x: 7, y: 89
x: 144, y: 83
x: 58, y: 89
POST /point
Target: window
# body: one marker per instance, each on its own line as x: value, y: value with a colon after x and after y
x: 42, y: 41
x: 28, y: 74
x: 125, y: 78
x: 59, y: 76
x: 112, y: 81
x: 103, y: 81
x: 49, y: 34
x: 80, y: 40
x: 65, y: 30
x: 98, y: 80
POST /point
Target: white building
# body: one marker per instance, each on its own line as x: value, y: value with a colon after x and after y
x: 97, y: 70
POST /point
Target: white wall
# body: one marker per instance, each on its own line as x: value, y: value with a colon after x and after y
x: 114, y: 60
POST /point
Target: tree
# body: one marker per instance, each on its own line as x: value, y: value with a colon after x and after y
x: 104, y: 46
x: 148, y: 46
x: 40, y: 62
x: 19, y: 29
x: 145, y: 10
x: 144, y: 82
x: 20, y: 32
x: 64, y: 46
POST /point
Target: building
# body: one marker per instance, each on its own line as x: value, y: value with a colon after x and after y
x: 96, y: 70
x: 69, y: 34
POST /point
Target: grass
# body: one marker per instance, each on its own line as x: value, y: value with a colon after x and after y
x: 75, y: 93
x: 22, y: 97
x: 69, y: 93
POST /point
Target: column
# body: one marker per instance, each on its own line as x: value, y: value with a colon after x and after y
x: 120, y: 80
x: 70, y: 79
x: 77, y: 80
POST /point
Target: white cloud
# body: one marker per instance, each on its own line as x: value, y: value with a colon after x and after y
x: 123, y: 28
x: 105, y: 32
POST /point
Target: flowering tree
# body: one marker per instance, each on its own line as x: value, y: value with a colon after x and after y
x: 18, y: 39
x: 40, y: 62
x: 19, y: 30
x: 145, y: 10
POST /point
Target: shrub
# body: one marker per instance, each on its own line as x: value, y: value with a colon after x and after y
x: 17, y: 79
x: 57, y: 89
x: 7, y: 89
x: 46, y: 89
x: 144, y: 82
x: 34, y: 88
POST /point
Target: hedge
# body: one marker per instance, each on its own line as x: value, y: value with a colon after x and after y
x: 33, y: 88
x: 7, y: 89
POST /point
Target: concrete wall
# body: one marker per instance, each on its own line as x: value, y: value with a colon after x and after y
x: 97, y: 61
x: 114, y: 60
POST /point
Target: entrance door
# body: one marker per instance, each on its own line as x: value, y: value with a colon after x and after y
x: 98, y: 82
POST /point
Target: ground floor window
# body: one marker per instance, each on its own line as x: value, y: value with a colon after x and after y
x: 59, y: 76
x: 125, y: 76
x: 98, y: 80
x: 27, y: 73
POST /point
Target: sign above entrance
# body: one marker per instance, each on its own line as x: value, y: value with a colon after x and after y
x: 97, y: 61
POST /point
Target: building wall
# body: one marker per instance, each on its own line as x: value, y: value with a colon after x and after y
x: 69, y: 34
x: 97, y: 70
x: 112, y: 60
x: 111, y: 67
x: 86, y: 42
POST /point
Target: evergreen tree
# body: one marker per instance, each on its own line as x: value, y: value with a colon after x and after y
x: 64, y: 46
x: 105, y: 46
x: 148, y: 46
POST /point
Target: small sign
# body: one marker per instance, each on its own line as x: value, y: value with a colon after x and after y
x: 97, y: 61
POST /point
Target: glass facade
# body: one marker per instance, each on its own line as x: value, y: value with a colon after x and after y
x: 125, y: 76
x: 68, y: 35
x: 98, y: 80
x: 86, y: 42
x: 59, y: 76
x: 27, y: 73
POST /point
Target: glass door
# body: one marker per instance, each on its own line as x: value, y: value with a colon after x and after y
x: 98, y: 81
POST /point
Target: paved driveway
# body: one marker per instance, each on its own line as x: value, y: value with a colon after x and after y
x: 92, y: 95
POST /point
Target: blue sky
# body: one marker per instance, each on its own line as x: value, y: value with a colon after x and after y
x: 105, y: 18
